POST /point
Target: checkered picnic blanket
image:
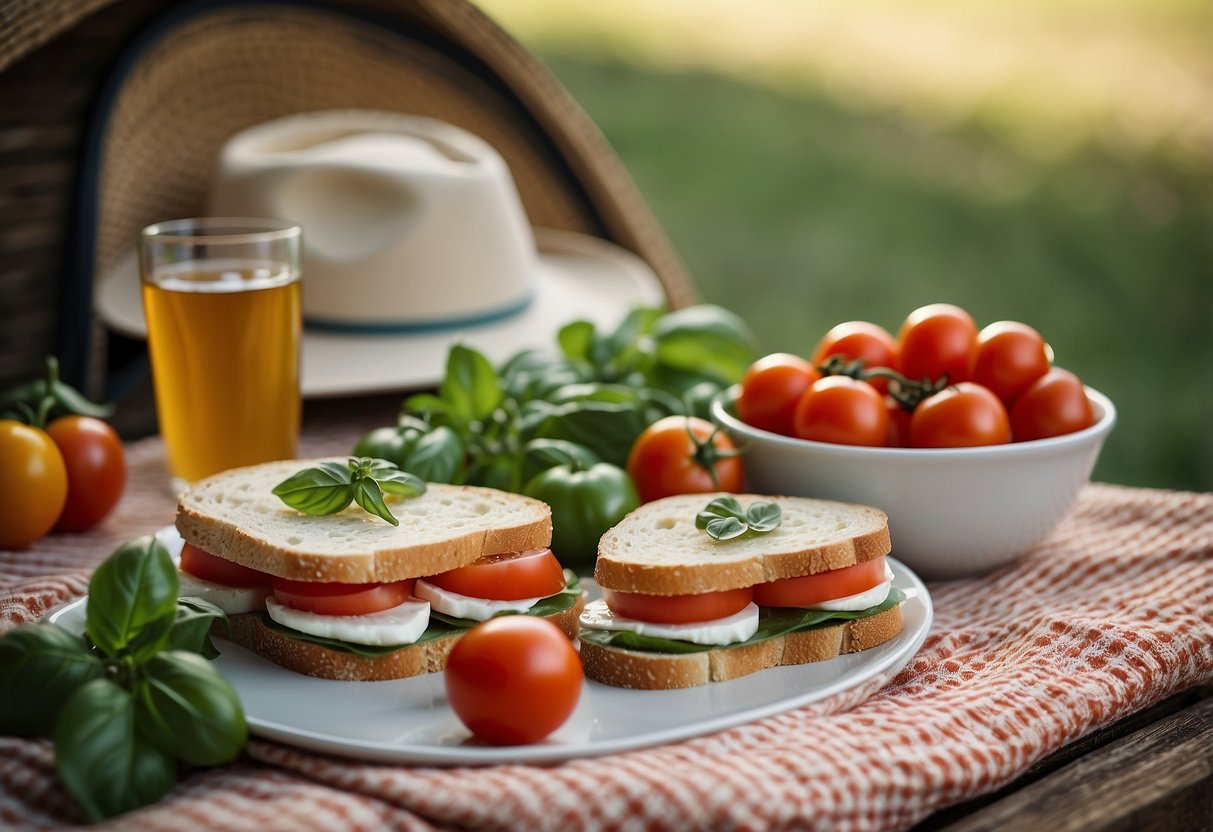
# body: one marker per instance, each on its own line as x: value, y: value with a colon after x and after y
x: 1112, y: 612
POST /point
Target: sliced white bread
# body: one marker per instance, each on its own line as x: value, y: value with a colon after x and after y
x: 656, y: 550
x: 665, y: 671
x: 235, y: 515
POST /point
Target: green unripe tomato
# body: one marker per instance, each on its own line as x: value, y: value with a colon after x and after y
x: 585, y: 503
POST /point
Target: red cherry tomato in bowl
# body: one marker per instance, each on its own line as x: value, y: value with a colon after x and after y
x: 96, y: 470
x: 860, y: 340
x: 770, y: 389
x: 33, y: 484
x: 514, y: 679
x: 961, y: 416
x: 675, y: 455
x: 1055, y: 404
x: 1010, y: 356
x: 936, y: 340
x: 844, y: 411
x: 506, y: 577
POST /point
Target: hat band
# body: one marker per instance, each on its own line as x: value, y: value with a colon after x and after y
x: 417, y: 326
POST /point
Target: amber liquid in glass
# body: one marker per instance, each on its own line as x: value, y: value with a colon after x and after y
x: 224, y: 339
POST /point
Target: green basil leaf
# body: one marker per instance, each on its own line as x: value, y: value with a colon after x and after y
x: 542, y: 454
x: 608, y: 429
x: 470, y: 387
x: 426, y: 403
x: 392, y: 480
x: 725, y: 528
x: 324, y: 489
x: 186, y: 708
x: 575, y: 338
x: 133, y: 599
x: 107, y: 765
x: 368, y: 495
x: 627, y: 640
x: 726, y: 507
x: 192, y: 627
x: 637, y: 323
x: 437, y: 457
x: 705, y: 339
x: 41, y: 665
x: 763, y: 517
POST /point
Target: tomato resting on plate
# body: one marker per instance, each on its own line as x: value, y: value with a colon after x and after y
x: 509, y: 576
x: 514, y: 679
x: 213, y: 568
x: 678, y: 609
x: 807, y: 590
x: 342, y: 599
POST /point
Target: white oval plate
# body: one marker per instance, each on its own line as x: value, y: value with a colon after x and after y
x: 409, y: 721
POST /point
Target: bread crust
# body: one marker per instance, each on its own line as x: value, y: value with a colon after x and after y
x: 666, y: 671
x: 696, y: 564
x: 317, y: 660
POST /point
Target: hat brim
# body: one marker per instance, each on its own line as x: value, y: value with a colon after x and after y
x: 578, y: 277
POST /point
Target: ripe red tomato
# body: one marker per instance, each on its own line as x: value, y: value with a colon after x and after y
x: 342, y: 599
x: 677, y: 609
x: 899, y: 424
x: 675, y: 455
x: 96, y: 470
x: 213, y: 568
x: 513, y: 679
x: 963, y: 415
x: 506, y: 577
x: 33, y: 484
x: 860, y: 339
x: 1010, y: 356
x: 770, y: 389
x: 1055, y: 404
x: 935, y: 340
x: 844, y: 411
x: 807, y: 590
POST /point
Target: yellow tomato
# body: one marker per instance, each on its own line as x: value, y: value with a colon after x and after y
x: 33, y: 484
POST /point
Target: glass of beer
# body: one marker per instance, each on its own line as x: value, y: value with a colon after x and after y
x: 224, y: 324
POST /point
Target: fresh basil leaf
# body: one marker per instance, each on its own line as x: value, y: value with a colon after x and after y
x: 498, y: 471
x: 575, y: 338
x: 542, y: 454
x: 532, y: 374
x: 437, y: 457
x: 192, y: 627
x: 705, y: 339
x: 428, y: 404
x: 41, y: 665
x: 133, y: 599
x: 187, y: 709
x: 608, y: 429
x: 392, y: 480
x: 470, y: 387
x: 628, y: 640
x: 107, y: 765
x: 763, y: 517
x: 724, y: 507
x: 326, y: 488
x: 368, y: 495
x: 725, y: 528
x: 637, y: 323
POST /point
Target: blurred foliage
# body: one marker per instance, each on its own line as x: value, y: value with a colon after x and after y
x: 799, y: 209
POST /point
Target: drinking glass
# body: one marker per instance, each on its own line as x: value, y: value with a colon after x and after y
x: 224, y: 322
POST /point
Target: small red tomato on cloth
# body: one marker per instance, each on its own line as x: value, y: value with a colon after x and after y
x: 513, y: 680
x: 96, y: 470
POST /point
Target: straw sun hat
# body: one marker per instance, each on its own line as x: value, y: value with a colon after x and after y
x: 119, y: 110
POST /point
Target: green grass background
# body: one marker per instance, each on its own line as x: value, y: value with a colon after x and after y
x: 799, y: 210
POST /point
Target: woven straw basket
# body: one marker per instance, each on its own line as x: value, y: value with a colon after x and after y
x: 112, y: 113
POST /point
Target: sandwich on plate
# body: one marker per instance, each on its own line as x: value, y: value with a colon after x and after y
x: 350, y: 596
x: 705, y: 588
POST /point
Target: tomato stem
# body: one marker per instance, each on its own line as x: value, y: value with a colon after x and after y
x: 906, y: 392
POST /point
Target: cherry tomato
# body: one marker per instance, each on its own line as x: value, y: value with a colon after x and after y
x: 860, y: 339
x: 807, y: 590
x: 506, y: 577
x: 342, y: 599
x: 935, y: 340
x: 513, y: 679
x: 1055, y: 404
x: 899, y: 424
x: 96, y: 470
x: 677, y: 609
x: 1010, y: 356
x: 213, y: 568
x: 844, y: 411
x: 675, y: 455
x: 770, y: 389
x: 33, y: 484
x: 963, y: 415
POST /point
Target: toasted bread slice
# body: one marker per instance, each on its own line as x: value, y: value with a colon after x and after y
x: 236, y: 516
x: 656, y: 550
x: 665, y: 671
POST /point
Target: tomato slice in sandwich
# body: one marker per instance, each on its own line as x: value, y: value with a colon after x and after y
x: 215, y: 569
x: 342, y: 599
x: 824, y: 586
x: 678, y: 609
x: 509, y: 576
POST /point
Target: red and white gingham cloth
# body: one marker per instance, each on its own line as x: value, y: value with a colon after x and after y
x: 1111, y: 613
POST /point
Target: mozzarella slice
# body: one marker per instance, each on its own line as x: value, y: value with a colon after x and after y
x: 728, y: 630
x: 860, y: 600
x: 233, y: 600
x: 467, y: 606
x: 402, y: 624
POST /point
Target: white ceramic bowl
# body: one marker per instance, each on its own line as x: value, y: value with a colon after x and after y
x: 953, y: 512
